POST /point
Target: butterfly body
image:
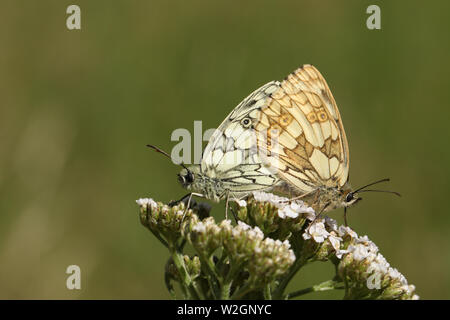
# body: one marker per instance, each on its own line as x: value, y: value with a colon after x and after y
x: 215, y: 186
x: 210, y: 187
x: 331, y: 198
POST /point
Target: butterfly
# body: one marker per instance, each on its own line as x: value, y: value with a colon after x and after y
x: 285, y: 136
x: 310, y: 154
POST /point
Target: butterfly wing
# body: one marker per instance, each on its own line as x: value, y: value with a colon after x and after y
x: 231, y: 153
x: 311, y: 148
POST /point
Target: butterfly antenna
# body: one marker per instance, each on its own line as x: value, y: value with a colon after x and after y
x: 371, y: 184
x: 386, y: 191
x: 164, y: 153
x: 363, y: 189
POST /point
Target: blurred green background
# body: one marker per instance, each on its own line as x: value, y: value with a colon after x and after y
x: 78, y: 107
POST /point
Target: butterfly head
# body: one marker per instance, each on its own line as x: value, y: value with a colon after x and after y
x: 186, y: 178
x: 349, y: 198
x: 189, y: 177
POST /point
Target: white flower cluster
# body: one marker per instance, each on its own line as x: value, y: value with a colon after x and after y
x: 252, y: 233
x: 205, y: 235
x: 144, y: 203
x: 318, y: 231
x: 277, y: 245
x: 268, y: 244
x: 364, y: 250
x: 265, y: 258
x: 286, y: 208
x: 246, y: 238
x: 361, y: 249
x: 207, y: 225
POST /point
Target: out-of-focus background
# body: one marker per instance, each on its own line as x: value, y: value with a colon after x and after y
x: 78, y: 107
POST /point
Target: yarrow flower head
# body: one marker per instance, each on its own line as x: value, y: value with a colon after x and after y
x: 270, y: 241
x: 359, y: 258
x: 164, y: 221
x: 263, y: 258
x: 204, y: 235
x: 317, y: 231
x: 146, y: 203
x: 275, y: 215
x: 286, y: 208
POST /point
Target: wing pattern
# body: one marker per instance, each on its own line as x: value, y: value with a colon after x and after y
x: 301, y: 130
x: 231, y: 153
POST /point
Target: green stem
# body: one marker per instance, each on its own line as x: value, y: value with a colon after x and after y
x: 279, y: 292
x: 242, y: 292
x: 228, y: 281
x: 181, y: 267
x: 324, y: 286
x: 225, y: 290
x: 198, y: 290
x: 156, y: 234
x: 346, y: 286
x: 267, y: 292
x: 169, y: 285
x: 212, y: 277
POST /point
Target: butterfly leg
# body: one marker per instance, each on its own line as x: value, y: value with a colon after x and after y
x: 316, y: 198
x: 237, y: 199
x: 234, y: 215
x: 315, y: 201
x: 345, y: 216
x: 318, y: 215
x: 300, y: 196
x: 226, y: 205
x: 189, y: 202
x: 183, y: 199
x: 320, y: 212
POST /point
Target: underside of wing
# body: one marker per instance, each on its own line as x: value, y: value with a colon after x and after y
x: 233, y: 143
x: 301, y: 131
x: 247, y: 178
x: 231, y: 154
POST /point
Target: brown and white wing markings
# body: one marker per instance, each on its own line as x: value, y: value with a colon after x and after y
x: 303, y: 118
x: 231, y: 135
x: 231, y: 153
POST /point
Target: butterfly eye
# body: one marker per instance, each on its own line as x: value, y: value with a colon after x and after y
x: 246, y: 122
x: 189, y: 177
x: 349, y: 197
x: 186, y: 178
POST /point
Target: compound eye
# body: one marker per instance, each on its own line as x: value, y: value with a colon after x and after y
x: 181, y: 179
x: 349, y: 197
x: 190, y: 177
x: 246, y: 122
